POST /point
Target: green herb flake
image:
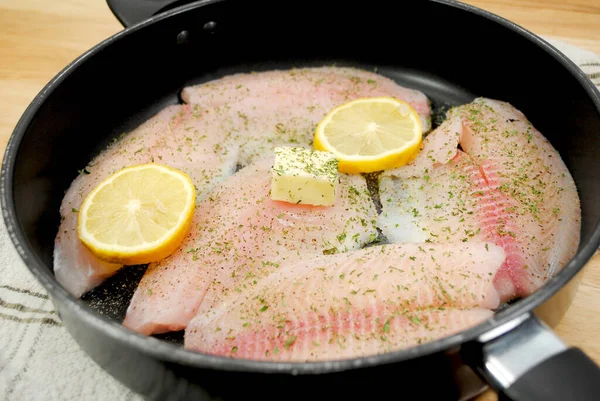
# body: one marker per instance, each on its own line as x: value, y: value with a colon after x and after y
x: 290, y: 341
x: 386, y: 326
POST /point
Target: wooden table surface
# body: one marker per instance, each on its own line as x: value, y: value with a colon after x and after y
x: 39, y: 37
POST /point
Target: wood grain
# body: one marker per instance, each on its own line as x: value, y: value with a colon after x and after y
x: 40, y: 37
x: 573, y: 21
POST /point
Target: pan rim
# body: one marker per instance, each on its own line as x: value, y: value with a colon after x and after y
x: 175, y: 353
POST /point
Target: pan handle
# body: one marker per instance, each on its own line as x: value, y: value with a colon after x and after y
x: 524, y: 360
x: 130, y: 12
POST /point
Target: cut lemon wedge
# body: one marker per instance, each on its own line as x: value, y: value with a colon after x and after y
x: 138, y: 215
x: 370, y: 134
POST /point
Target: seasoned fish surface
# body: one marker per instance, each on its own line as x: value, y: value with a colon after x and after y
x: 508, y: 186
x: 227, y: 122
x: 359, y: 303
x: 278, y: 107
x: 240, y: 235
x: 171, y: 137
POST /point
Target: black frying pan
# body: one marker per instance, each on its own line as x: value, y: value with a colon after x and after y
x: 453, y: 53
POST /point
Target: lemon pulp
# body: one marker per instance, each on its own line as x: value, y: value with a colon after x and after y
x: 140, y: 214
x: 370, y: 134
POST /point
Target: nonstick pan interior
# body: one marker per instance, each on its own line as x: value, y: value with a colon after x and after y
x: 137, y: 73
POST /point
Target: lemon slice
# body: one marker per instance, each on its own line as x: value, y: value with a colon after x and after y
x: 370, y: 134
x: 138, y: 215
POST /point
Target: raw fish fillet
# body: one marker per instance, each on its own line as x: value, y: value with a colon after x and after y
x: 277, y: 107
x: 240, y: 235
x: 230, y: 121
x: 360, y: 303
x: 171, y: 137
x: 508, y: 186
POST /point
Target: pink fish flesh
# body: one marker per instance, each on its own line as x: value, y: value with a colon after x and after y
x: 240, y: 235
x: 508, y: 186
x: 359, y: 303
x: 170, y: 137
x: 229, y: 121
x: 278, y: 107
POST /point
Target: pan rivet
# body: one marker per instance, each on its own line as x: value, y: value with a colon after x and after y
x: 183, y: 37
x: 210, y: 26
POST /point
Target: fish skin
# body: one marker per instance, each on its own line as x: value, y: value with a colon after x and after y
x: 508, y: 184
x: 240, y: 235
x: 221, y: 127
x: 288, y: 104
x: 359, y: 303
x: 165, y: 138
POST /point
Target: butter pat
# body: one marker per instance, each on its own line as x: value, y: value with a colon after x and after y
x: 304, y: 176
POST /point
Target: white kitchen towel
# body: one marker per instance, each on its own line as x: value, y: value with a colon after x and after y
x: 38, y: 358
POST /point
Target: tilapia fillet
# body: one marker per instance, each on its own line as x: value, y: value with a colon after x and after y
x: 358, y: 303
x: 288, y: 104
x: 507, y: 185
x: 171, y: 137
x: 240, y: 235
x: 230, y: 121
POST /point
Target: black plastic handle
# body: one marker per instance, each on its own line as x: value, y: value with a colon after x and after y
x: 130, y: 12
x: 568, y: 376
x: 524, y: 360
